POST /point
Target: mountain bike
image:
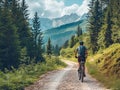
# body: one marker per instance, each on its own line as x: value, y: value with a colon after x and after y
x: 81, y: 71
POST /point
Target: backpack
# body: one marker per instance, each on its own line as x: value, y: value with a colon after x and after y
x: 81, y: 51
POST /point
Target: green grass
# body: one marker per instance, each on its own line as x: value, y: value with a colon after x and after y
x: 17, y: 79
x: 105, y: 67
x: 110, y: 82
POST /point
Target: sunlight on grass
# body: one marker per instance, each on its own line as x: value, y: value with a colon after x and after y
x: 27, y: 74
x: 105, y: 67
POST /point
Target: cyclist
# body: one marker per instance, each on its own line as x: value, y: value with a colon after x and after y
x: 81, y: 53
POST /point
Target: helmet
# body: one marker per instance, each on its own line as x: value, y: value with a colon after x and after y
x: 81, y: 42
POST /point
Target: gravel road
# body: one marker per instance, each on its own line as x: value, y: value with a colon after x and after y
x: 65, y: 79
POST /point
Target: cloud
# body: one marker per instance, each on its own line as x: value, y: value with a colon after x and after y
x: 70, y: 9
x: 83, y: 8
x: 55, y: 8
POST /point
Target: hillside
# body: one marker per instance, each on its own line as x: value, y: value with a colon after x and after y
x: 62, y: 33
x: 105, y: 66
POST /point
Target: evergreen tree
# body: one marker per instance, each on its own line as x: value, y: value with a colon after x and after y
x: 36, y: 28
x: 108, y: 31
x: 57, y: 50
x: 49, y: 47
x: 115, y: 19
x: 38, y: 39
x: 9, y: 43
x: 23, y: 26
x: 95, y: 23
x: 24, y: 8
x: 72, y: 41
x: 39, y: 46
x: 20, y: 18
x: 79, y: 31
x: 66, y: 44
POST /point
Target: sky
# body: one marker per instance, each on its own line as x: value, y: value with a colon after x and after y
x: 57, y: 8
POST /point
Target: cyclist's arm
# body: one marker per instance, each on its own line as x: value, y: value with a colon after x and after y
x: 76, y: 53
x: 86, y: 53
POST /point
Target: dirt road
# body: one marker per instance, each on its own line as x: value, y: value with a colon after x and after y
x: 65, y: 79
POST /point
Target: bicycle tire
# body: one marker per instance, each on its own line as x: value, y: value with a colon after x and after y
x: 82, y: 75
x: 79, y: 74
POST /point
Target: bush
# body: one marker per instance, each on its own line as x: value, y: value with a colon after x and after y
x: 105, y: 66
x: 25, y: 75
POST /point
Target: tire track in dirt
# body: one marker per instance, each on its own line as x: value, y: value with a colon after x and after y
x: 66, y: 79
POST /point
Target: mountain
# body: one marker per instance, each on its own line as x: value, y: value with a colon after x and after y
x: 61, y: 29
x: 65, y: 20
x: 62, y: 33
x: 84, y: 16
x: 47, y: 23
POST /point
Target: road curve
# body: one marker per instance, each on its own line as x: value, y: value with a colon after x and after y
x: 65, y: 79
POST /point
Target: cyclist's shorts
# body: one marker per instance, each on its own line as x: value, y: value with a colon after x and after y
x: 81, y: 59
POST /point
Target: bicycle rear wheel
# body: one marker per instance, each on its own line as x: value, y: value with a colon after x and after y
x: 79, y: 74
x: 82, y: 75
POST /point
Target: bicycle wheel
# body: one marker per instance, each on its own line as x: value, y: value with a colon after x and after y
x: 82, y: 74
x: 79, y: 74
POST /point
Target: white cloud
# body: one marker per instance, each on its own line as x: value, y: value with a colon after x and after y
x: 70, y: 9
x: 83, y: 8
x: 53, y: 8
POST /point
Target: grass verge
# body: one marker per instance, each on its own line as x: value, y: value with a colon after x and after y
x: 105, y: 66
x: 17, y: 79
x: 110, y: 82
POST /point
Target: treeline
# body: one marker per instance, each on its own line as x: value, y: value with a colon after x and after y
x: 104, y: 24
x: 52, y: 49
x: 19, y: 43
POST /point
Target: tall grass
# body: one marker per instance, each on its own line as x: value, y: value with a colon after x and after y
x: 17, y: 79
x: 105, y: 66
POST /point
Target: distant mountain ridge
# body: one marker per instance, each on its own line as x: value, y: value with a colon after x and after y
x: 62, y: 33
x: 63, y: 28
x: 65, y: 19
x: 47, y: 23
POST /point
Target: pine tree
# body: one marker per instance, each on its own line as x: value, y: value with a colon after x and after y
x: 66, y: 44
x: 38, y: 39
x: 40, y: 49
x: 20, y: 16
x: 72, y: 41
x: 57, y: 50
x: 115, y: 19
x: 108, y: 33
x: 25, y: 36
x: 36, y: 28
x: 95, y: 23
x: 49, y: 47
x: 79, y: 31
x: 24, y: 8
x: 23, y: 25
x: 9, y: 43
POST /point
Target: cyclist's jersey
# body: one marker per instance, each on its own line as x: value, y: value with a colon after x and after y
x: 81, y: 50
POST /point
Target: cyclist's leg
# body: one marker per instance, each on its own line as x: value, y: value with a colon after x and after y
x: 84, y: 69
x: 79, y: 60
